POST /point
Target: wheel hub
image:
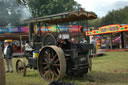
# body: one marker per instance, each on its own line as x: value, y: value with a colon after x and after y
x: 50, y: 65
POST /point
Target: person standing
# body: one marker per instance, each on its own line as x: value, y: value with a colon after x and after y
x: 27, y: 46
x: 8, y: 51
x: 93, y: 41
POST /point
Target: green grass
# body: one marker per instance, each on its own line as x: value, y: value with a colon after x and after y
x: 110, y: 69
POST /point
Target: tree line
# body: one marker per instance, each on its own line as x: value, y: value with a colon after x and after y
x: 113, y: 17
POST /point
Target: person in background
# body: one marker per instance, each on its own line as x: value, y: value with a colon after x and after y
x: 27, y: 50
x: 93, y: 41
x: 74, y: 41
x: 8, y: 51
x: 83, y: 40
x: 27, y: 46
x: 107, y: 43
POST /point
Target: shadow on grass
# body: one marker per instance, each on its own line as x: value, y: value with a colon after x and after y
x: 101, y: 78
x: 101, y: 55
x: 32, y: 74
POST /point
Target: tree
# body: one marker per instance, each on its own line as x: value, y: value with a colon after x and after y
x: 116, y: 17
x: 113, y: 17
x: 48, y: 7
x: 95, y: 23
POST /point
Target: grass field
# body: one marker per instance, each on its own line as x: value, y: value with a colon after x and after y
x: 110, y: 69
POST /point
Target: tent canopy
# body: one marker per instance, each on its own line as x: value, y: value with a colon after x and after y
x: 64, y: 17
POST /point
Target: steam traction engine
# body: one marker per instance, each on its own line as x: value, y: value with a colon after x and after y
x: 56, y: 58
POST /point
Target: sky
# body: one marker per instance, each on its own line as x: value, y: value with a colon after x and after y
x: 102, y: 7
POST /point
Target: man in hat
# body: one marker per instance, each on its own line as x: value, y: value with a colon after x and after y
x: 8, y: 51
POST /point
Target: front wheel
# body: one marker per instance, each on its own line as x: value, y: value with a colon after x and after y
x: 21, y: 67
x: 52, y: 63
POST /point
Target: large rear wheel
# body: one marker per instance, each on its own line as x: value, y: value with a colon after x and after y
x: 52, y: 63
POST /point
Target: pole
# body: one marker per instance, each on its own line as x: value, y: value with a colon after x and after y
x: 111, y: 40
x: 21, y: 44
x: 2, y: 69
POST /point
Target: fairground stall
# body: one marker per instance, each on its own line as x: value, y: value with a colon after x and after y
x: 18, y: 35
x: 111, y: 36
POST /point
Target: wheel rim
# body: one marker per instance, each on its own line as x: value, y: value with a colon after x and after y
x: 51, y: 63
x: 21, y: 67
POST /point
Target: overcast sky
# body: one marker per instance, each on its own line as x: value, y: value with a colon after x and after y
x: 102, y: 7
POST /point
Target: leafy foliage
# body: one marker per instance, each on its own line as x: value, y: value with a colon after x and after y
x: 113, y: 17
x: 47, y: 7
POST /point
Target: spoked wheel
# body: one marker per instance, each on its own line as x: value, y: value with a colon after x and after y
x: 52, y: 63
x: 21, y: 67
x: 49, y: 39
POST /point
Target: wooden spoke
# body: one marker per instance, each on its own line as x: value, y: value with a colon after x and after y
x: 57, y: 61
x: 58, y: 70
x: 46, y: 72
x: 50, y: 75
x: 46, y: 67
x: 53, y: 76
x: 56, y: 64
x: 49, y: 56
x: 44, y: 63
x: 52, y: 53
x: 48, y: 53
x: 55, y: 73
x: 54, y: 57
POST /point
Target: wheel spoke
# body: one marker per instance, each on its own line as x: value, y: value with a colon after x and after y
x: 44, y: 63
x: 48, y: 53
x: 45, y: 74
x: 45, y: 60
x: 46, y: 67
x: 54, y: 57
x: 57, y: 61
x: 49, y: 56
x: 52, y: 52
x: 49, y: 75
x: 56, y: 64
x: 58, y: 70
x: 53, y: 76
